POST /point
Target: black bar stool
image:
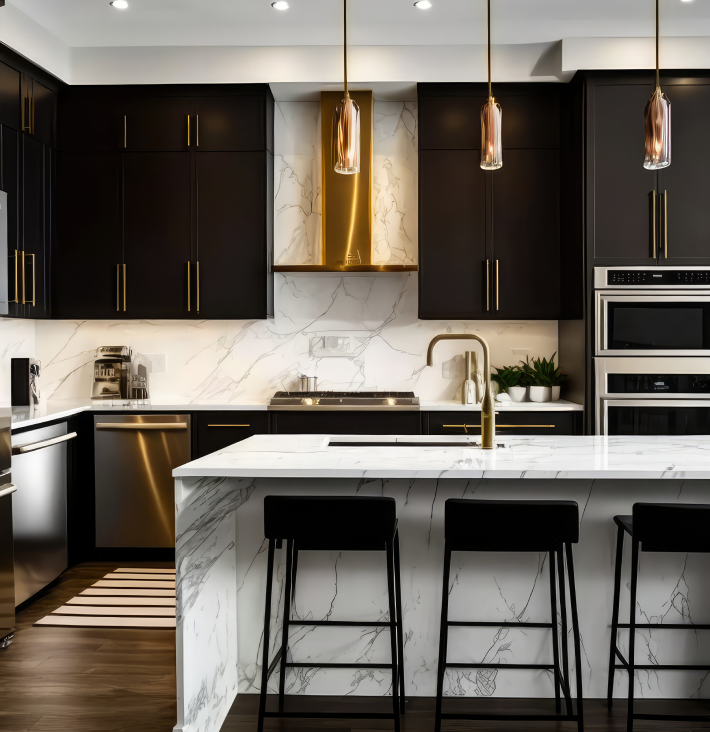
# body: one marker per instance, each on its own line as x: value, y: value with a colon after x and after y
x: 313, y: 523
x: 516, y: 526
x: 654, y: 527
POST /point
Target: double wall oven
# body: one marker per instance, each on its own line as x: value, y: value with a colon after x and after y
x: 652, y: 350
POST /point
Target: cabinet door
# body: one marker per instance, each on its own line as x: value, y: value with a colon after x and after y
x: 87, y: 250
x: 9, y: 97
x: 686, y: 240
x: 452, y: 235
x: 156, y: 123
x: 90, y: 119
x: 10, y: 183
x: 43, y: 114
x: 508, y: 422
x: 347, y: 423
x: 231, y: 240
x: 157, y: 234
x: 217, y: 430
x: 229, y: 123
x: 450, y: 123
x: 526, y: 235
x: 622, y: 225
x: 36, y: 177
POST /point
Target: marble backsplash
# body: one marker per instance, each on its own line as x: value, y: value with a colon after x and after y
x: 247, y: 361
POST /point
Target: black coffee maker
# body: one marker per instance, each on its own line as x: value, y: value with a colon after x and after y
x: 24, y: 381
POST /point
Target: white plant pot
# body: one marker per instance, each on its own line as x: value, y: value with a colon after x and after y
x: 540, y: 393
x: 517, y: 393
x: 555, y: 393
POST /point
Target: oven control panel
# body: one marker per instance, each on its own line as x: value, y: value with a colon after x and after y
x: 652, y: 277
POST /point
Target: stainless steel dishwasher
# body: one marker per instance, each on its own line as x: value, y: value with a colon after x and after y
x: 135, y: 492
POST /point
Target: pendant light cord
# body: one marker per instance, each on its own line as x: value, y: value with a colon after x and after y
x: 345, y: 46
x: 489, y: 48
x: 658, y: 82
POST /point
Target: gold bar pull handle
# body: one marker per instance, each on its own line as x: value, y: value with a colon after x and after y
x: 497, y: 287
x: 188, y: 287
x: 124, y: 288
x: 654, y: 238
x: 665, y: 224
x: 118, y: 287
x: 488, y: 284
x: 34, y: 268
x: 17, y: 291
x: 23, y: 277
x: 188, y: 130
x: 198, y: 287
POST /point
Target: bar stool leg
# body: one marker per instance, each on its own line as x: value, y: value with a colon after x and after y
x: 393, y: 633
x: 265, y: 650
x: 285, y: 621
x: 563, y: 621
x: 576, y: 638
x: 400, y: 631
x: 615, y: 614
x: 443, y: 637
x: 632, y: 633
x: 555, y: 633
x: 295, y: 571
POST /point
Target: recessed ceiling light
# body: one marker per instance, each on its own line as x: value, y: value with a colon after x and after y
x: 280, y: 5
x: 422, y: 5
x: 120, y: 4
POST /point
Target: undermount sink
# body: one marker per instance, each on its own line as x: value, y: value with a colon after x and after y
x: 338, y: 443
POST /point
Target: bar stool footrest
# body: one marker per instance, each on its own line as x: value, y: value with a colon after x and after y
x: 327, y: 715
x: 339, y: 665
x: 513, y: 717
x: 519, y: 666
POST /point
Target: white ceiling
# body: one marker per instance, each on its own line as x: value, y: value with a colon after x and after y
x: 87, y: 23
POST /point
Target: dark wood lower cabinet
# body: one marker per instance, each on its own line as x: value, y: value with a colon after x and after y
x: 347, y: 423
x: 217, y: 430
x: 507, y: 423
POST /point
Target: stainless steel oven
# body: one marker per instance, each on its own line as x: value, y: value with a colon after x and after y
x: 652, y: 311
x: 652, y: 396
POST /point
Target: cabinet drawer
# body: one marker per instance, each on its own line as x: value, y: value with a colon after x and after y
x: 217, y: 430
x: 347, y: 423
x: 507, y: 423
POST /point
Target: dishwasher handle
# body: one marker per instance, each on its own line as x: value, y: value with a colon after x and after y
x: 141, y: 425
x: 32, y: 446
x: 7, y: 490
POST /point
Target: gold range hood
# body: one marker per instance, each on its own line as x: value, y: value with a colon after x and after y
x: 346, y: 200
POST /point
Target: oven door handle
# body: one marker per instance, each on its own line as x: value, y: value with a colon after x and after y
x: 32, y: 446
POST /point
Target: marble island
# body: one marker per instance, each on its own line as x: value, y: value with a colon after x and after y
x: 221, y: 565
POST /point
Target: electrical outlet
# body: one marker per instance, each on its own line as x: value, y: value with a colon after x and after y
x: 159, y: 362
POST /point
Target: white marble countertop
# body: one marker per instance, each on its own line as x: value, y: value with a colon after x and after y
x: 23, y: 417
x: 309, y: 456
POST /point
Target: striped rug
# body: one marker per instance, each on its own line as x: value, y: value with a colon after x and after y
x: 128, y: 597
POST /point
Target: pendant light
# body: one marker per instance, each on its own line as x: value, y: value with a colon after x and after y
x: 346, y: 120
x: 491, y: 120
x: 658, y: 123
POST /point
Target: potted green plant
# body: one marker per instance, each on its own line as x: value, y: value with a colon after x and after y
x: 545, y: 378
x: 509, y: 379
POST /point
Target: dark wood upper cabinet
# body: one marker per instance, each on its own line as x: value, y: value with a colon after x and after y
x: 232, y: 243
x: 86, y: 266
x: 225, y: 123
x: 9, y: 97
x: 90, y: 119
x: 36, y: 191
x: 10, y: 183
x: 156, y: 123
x: 449, y: 122
x: 452, y: 235
x: 686, y: 183
x: 157, y: 244
x: 531, y: 119
x: 526, y: 235
x: 44, y: 114
x: 620, y: 207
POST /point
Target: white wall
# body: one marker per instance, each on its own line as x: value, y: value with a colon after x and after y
x: 17, y: 340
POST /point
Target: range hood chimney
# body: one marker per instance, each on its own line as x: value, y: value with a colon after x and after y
x: 347, y: 200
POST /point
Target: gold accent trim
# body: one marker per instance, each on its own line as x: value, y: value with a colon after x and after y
x: 229, y: 425
x: 347, y: 199
x: 188, y: 287
x: 665, y: 224
x: 124, y: 288
x: 23, y: 277
x: 198, y: 287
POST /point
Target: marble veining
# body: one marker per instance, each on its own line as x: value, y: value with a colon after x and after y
x: 503, y: 587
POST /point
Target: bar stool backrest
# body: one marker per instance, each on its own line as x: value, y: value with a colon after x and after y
x: 514, y: 526
x: 672, y: 527
x: 331, y: 522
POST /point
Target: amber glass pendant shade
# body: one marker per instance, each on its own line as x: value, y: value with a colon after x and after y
x: 658, y: 131
x: 346, y: 137
x: 491, y: 135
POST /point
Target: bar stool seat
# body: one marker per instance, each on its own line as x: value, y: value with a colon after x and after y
x: 654, y: 527
x: 516, y: 526
x: 331, y: 523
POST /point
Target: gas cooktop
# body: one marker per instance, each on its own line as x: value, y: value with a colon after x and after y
x: 344, y: 400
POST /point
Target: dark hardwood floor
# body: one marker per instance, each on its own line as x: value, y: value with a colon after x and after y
x: 54, y: 679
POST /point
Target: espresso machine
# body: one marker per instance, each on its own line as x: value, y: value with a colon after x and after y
x: 120, y: 373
